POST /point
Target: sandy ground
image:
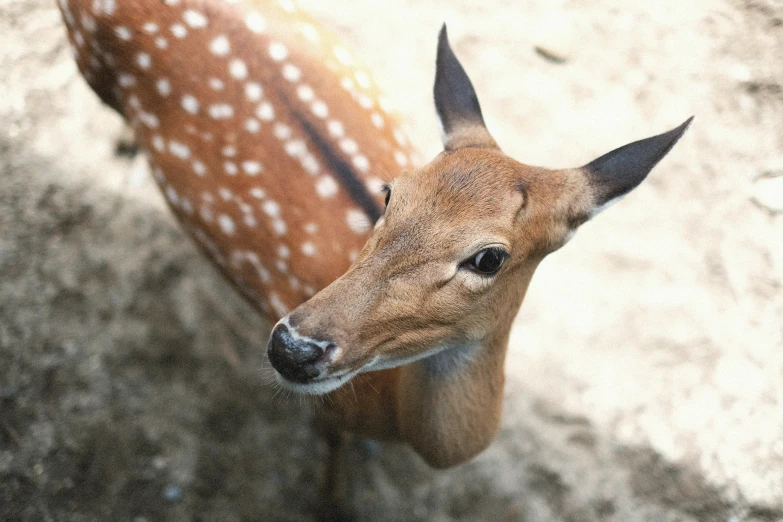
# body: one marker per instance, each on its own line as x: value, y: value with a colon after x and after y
x: 645, y: 377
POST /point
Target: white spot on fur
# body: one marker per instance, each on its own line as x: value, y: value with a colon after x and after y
x: 220, y: 46
x: 107, y: 7
x: 194, y: 19
x: 199, y: 168
x: 295, y: 148
x: 149, y: 119
x: 366, y: 102
x: 310, y: 164
x: 253, y: 91
x: 158, y: 175
x: 251, y: 168
x: 187, y: 206
x: 305, y: 93
x: 150, y: 28
x: 279, y: 226
x: 343, y: 56
x: 163, y: 86
x: 277, y: 51
x: 320, y: 109
x: 375, y: 185
x: 282, y: 131
x: 161, y: 43
x: 123, y: 33
x: 126, y: 80
x: 271, y: 208
x: 257, y: 193
x: 216, y: 84
x: 230, y: 168
x: 179, y: 150
x: 158, y: 143
x: 357, y: 220
x: 291, y: 72
x: 265, y: 112
x: 326, y: 186
x: 190, y: 104
x: 349, y: 146
x: 221, y: 111
x: 335, y: 128
x: 237, y: 69
x: 310, y: 32
x: 310, y: 228
x: 226, y: 224
x: 362, y: 78
x: 172, y: 195
x: 401, y: 158
x: 308, y: 248
x: 361, y: 162
x: 252, y: 125
x: 400, y: 138
x: 385, y: 104
x: 255, y: 23
x: 377, y: 120
x: 179, y: 31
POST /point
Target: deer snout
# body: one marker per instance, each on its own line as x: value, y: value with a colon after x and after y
x: 298, y: 359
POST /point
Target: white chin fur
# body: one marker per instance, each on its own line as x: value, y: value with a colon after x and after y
x: 315, y: 388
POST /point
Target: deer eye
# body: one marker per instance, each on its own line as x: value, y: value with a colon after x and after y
x: 387, y: 190
x: 487, y: 261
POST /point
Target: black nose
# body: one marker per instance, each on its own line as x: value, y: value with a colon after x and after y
x: 296, y: 359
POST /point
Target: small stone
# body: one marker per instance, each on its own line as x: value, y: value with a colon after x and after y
x: 8, y: 393
x: 553, y: 37
x: 552, y: 53
x: 370, y: 447
x: 173, y: 493
x: 159, y: 462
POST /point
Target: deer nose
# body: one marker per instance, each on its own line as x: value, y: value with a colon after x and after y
x: 297, y: 359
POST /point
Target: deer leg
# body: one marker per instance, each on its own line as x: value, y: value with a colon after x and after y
x: 335, y: 505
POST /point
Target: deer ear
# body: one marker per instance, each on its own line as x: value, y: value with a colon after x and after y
x: 456, y: 103
x: 615, y: 174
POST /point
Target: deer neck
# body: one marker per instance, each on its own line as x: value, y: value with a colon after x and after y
x: 449, y: 405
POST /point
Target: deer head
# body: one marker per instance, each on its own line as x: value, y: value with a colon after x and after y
x: 448, y: 263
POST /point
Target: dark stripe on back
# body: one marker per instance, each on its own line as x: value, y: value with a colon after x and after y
x: 346, y: 176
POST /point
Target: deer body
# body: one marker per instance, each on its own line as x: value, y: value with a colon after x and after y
x: 269, y: 142
x: 264, y: 134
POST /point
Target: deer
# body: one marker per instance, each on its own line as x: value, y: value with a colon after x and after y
x: 278, y: 154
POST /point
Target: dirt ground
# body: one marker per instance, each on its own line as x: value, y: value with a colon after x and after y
x: 645, y: 377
